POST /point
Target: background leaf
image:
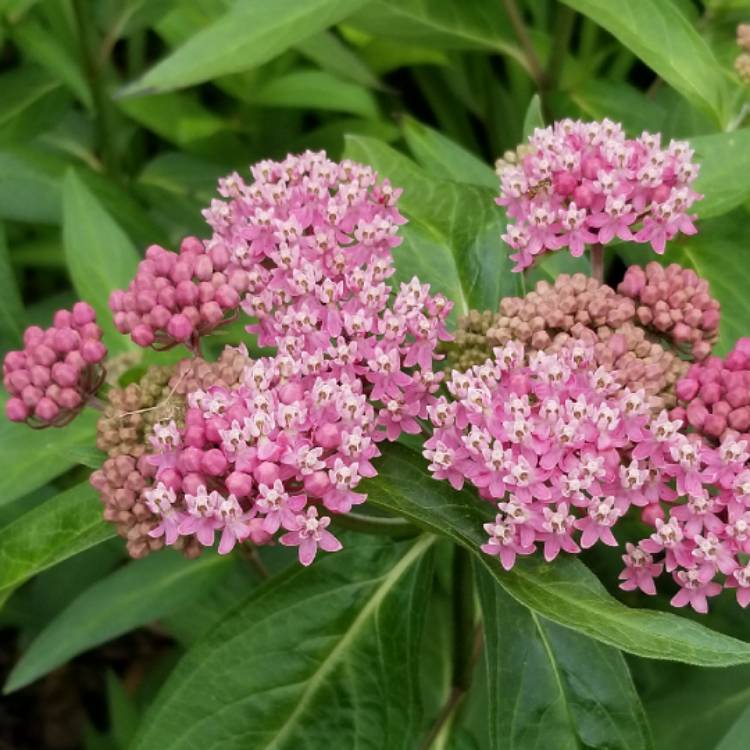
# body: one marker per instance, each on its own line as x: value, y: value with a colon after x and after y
x: 141, y: 592
x: 328, y: 659
x: 658, y: 32
x: 99, y: 255
x: 251, y: 33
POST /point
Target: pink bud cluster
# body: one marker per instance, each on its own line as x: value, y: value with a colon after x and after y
x: 176, y: 298
x: 583, y: 183
x: 714, y: 395
x: 58, y: 369
x: 564, y: 453
x: 675, y: 303
x: 271, y: 458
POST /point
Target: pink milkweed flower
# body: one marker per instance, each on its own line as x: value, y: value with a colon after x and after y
x: 694, y: 590
x: 310, y: 534
x: 202, y: 518
x: 278, y: 507
x: 556, y: 531
x: 597, y: 525
x: 160, y: 501
x: 236, y: 524
x: 740, y: 580
x: 640, y: 570
x: 503, y: 541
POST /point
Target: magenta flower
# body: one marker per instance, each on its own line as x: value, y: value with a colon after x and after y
x: 311, y: 533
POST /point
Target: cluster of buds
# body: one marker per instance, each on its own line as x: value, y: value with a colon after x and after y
x: 575, y: 308
x: 674, y: 302
x: 564, y: 452
x: 264, y: 460
x: 585, y: 183
x: 714, y: 395
x: 58, y: 370
x: 177, y: 298
x: 742, y: 61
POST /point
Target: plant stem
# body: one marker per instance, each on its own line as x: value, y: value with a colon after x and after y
x: 104, y: 111
x: 467, y: 643
x: 564, y: 21
x: 519, y: 29
x: 597, y: 262
x: 250, y: 553
x: 393, y: 527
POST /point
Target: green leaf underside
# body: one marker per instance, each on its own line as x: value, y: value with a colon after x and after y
x: 321, y: 657
x: 249, y: 34
x: 138, y: 593
x: 552, y: 687
x: 460, y: 217
x: 565, y: 591
x: 50, y: 533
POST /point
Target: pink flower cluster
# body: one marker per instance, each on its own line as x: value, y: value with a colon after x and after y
x: 580, y: 183
x: 705, y: 540
x: 267, y: 458
x: 176, y: 298
x: 56, y: 372
x: 315, y: 239
x: 564, y: 453
x: 715, y: 395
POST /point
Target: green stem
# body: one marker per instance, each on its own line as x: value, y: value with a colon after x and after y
x: 104, y: 111
x: 467, y: 644
x: 597, y: 262
x: 383, y: 525
x: 519, y: 29
x: 564, y: 22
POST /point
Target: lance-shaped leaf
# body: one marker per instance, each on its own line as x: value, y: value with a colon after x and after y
x: 565, y: 591
x: 249, y: 34
x: 659, y: 33
x: 552, y: 687
x: 138, y: 593
x: 459, y: 217
x: 53, y: 531
x: 323, y: 657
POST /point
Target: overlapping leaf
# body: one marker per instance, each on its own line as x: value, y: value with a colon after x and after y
x: 325, y: 657
x: 565, y: 592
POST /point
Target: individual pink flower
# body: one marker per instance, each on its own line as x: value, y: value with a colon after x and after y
x: 311, y: 533
x: 640, y: 570
x: 694, y: 590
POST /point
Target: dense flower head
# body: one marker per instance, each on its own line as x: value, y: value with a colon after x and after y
x: 714, y: 395
x: 271, y: 458
x: 674, y: 302
x: 704, y: 540
x: 582, y: 183
x: 57, y: 371
x: 575, y: 307
x: 177, y: 298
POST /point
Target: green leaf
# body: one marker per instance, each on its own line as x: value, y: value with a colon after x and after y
x: 470, y: 24
x: 99, y: 255
x: 177, y: 117
x: 21, y: 470
x: 724, y: 178
x: 54, y: 531
x: 331, y: 54
x: 444, y: 158
x: 565, y: 591
x: 658, y: 32
x: 553, y: 687
x: 737, y: 736
x: 138, y: 593
x: 462, y: 218
x: 29, y: 188
x: 12, y: 314
x: 316, y: 89
x: 323, y: 657
x: 534, y: 118
x: 251, y: 33
x: 123, y: 713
